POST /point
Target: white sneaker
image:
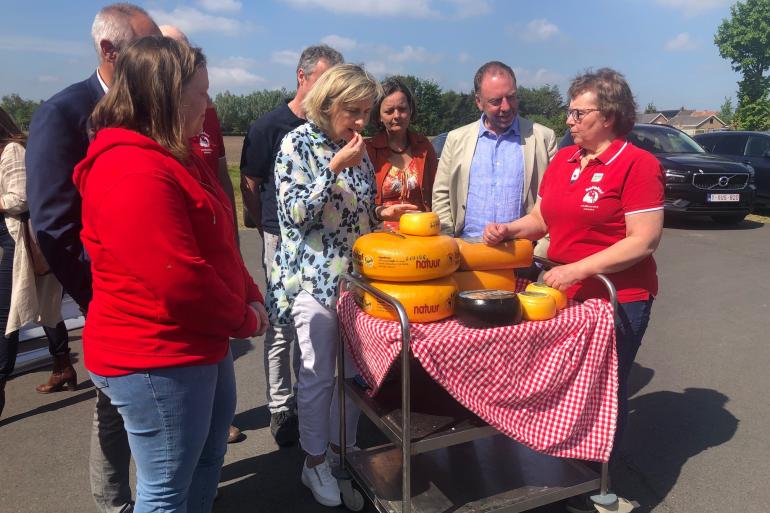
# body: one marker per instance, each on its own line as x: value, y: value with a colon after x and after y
x: 321, y: 482
x: 334, y: 457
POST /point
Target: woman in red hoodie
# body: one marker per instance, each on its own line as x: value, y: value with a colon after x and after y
x: 169, y: 284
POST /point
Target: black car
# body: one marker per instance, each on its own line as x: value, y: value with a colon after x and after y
x: 697, y: 183
x: 752, y: 148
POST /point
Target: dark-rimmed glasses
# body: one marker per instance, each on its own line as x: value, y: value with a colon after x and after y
x: 579, y: 114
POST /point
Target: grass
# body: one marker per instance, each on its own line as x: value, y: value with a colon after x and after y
x: 235, y: 178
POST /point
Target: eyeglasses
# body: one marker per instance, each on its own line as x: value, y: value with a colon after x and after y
x: 579, y: 114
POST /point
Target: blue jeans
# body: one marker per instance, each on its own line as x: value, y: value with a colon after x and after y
x: 177, y: 420
x: 633, y: 320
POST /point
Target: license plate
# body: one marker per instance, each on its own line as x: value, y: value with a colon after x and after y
x: 724, y: 197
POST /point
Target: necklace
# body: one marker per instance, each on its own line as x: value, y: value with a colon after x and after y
x: 399, y: 152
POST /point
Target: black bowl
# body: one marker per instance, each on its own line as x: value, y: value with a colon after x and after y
x: 487, y: 308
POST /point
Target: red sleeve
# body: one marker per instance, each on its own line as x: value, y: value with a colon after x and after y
x: 644, y: 186
x: 544, y: 182
x: 144, y: 224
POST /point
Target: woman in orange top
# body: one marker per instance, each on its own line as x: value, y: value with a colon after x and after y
x: 404, y: 161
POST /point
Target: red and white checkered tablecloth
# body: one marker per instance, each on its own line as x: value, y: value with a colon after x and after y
x: 550, y: 385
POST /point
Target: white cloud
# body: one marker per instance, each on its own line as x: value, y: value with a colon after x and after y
x: 21, y: 44
x: 238, y: 62
x: 410, y: 8
x: 339, y: 43
x: 220, y: 5
x: 285, y: 57
x: 191, y: 20
x: 378, y: 68
x: 681, y: 43
x: 48, y: 79
x: 538, y: 30
x: 222, y: 78
x: 694, y: 7
x: 536, y: 78
x: 470, y: 8
x: 463, y: 57
x: 413, y: 54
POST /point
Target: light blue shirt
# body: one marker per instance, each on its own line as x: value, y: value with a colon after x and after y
x: 496, y: 180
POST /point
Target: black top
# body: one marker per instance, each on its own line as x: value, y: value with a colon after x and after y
x: 260, y: 147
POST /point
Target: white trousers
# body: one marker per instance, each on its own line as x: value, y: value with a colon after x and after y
x: 317, y: 402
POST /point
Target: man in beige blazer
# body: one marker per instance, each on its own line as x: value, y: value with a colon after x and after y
x: 506, y: 144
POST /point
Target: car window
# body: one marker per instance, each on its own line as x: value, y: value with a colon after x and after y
x: 662, y: 140
x: 731, y: 144
x: 708, y: 142
x: 757, y: 146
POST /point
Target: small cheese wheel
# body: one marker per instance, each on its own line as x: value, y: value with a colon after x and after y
x: 537, y: 306
x: 424, y: 301
x: 511, y: 254
x: 423, y: 224
x: 392, y: 256
x: 558, y: 296
x: 501, y: 279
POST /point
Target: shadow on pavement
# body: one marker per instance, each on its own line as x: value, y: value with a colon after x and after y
x: 256, y: 418
x: 87, y: 393
x: 666, y: 429
x: 240, y: 347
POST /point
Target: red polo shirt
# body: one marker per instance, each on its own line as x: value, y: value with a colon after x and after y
x: 585, y: 212
x: 209, y: 144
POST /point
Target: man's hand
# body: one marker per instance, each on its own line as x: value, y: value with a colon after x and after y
x: 394, y: 212
x: 495, y: 233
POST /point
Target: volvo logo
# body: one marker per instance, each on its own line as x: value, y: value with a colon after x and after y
x: 723, y: 181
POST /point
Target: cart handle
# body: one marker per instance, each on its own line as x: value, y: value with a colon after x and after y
x: 547, y: 264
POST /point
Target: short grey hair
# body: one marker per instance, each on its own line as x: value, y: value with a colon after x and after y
x: 113, y: 23
x: 312, y: 54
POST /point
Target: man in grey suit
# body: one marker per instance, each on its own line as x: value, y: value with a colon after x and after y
x: 490, y: 170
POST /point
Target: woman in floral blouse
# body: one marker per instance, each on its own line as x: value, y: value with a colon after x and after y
x: 325, y: 185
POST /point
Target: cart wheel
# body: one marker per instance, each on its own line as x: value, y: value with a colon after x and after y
x: 351, y: 498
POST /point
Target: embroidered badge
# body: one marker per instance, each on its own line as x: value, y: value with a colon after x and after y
x: 597, y: 177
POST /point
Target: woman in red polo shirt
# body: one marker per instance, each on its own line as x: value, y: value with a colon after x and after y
x: 601, y: 201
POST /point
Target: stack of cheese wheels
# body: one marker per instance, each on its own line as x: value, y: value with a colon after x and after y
x: 491, y: 267
x: 537, y: 306
x: 412, y: 266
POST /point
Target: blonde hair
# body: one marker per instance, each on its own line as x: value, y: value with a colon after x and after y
x: 341, y: 85
x: 146, y: 94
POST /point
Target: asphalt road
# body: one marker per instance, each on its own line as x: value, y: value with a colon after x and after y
x: 697, y: 441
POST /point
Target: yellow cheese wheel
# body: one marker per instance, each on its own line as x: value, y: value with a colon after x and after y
x: 501, y: 279
x: 423, y: 224
x: 511, y: 254
x: 537, y: 306
x: 424, y: 301
x: 558, y: 296
x: 396, y: 257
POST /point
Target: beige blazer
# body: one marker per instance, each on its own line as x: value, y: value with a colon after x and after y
x: 450, y: 189
x: 33, y: 298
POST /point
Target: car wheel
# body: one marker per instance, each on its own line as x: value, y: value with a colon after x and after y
x: 729, y: 218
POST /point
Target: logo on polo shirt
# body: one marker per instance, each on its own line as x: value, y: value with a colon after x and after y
x: 203, y: 140
x: 592, y: 195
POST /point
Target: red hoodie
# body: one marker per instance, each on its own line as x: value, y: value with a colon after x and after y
x: 169, y: 283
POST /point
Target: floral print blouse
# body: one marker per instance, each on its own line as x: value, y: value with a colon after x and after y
x: 320, y: 216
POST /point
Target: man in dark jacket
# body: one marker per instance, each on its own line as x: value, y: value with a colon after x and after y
x: 58, y: 140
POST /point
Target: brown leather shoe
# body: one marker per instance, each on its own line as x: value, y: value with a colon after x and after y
x: 234, y: 435
x: 62, y: 376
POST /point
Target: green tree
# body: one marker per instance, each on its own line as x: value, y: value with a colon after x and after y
x: 744, y: 40
x: 726, y: 112
x: 20, y: 109
x: 650, y: 108
x: 543, y: 105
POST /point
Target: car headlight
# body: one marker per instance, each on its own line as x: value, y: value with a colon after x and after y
x: 675, y: 176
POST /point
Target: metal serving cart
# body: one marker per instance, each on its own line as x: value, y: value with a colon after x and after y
x: 441, y: 457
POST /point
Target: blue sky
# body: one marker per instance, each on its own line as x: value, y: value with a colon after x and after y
x: 664, y: 47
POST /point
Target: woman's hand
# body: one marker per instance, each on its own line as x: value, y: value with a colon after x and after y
x: 495, y: 233
x: 563, y: 277
x: 350, y: 155
x: 394, y: 212
x: 261, y: 313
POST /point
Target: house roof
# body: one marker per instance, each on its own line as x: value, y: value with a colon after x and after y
x: 650, y: 117
x: 692, y: 120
